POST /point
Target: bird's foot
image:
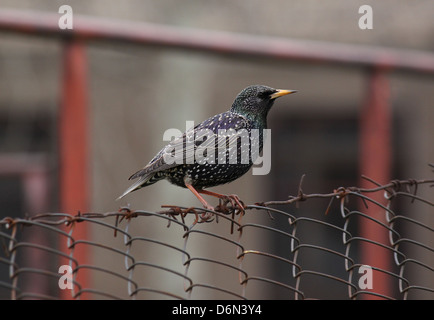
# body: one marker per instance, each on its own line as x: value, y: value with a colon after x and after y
x: 235, y: 204
x: 239, y: 203
x: 236, y: 207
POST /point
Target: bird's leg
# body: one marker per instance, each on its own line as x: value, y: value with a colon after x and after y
x: 204, y: 216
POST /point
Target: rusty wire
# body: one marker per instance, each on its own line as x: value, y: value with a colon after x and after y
x: 281, y: 220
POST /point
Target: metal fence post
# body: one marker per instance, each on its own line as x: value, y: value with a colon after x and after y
x: 375, y: 163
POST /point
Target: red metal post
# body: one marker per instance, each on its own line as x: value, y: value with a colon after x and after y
x: 73, y: 145
x: 375, y: 163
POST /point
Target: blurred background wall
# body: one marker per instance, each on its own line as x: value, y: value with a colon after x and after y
x: 136, y: 93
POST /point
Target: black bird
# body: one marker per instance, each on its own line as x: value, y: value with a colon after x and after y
x: 202, y: 162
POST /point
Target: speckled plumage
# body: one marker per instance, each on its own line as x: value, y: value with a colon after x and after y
x: 249, y: 111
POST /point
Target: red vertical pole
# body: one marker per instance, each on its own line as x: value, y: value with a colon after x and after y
x: 73, y: 144
x: 375, y: 163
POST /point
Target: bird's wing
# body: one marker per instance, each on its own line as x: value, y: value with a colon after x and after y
x: 182, y: 150
x: 143, y: 179
x: 166, y: 158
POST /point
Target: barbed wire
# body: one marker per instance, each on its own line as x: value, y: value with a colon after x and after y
x: 406, y: 210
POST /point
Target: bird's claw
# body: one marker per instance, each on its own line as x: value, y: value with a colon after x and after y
x: 207, y: 216
x: 236, y: 206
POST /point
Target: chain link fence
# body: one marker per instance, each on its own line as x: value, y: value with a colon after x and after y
x: 350, y: 243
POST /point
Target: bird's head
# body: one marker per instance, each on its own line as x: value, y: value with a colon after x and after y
x: 255, y: 101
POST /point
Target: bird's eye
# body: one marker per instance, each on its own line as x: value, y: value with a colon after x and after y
x: 265, y: 94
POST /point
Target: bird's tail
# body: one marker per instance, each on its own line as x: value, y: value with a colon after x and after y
x: 141, y: 182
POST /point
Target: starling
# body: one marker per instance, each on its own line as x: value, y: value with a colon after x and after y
x: 185, y: 169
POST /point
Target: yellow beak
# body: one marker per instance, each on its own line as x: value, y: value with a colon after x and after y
x: 280, y: 93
